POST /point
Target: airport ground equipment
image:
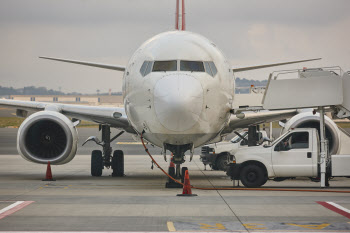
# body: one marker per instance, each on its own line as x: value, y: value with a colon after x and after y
x: 294, y: 154
x: 324, y: 89
x: 216, y: 155
x: 104, y: 158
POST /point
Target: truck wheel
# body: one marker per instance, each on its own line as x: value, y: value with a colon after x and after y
x: 252, y: 176
x: 221, y: 162
x: 214, y: 167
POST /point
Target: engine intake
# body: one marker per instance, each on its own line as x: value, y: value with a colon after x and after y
x: 47, y: 136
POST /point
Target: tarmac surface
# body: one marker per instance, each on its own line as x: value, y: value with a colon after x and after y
x: 139, y: 201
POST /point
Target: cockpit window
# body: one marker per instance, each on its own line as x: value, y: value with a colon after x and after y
x: 193, y: 66
x: 146, y: 68
x: 210, y: 68
x: 164, y: 66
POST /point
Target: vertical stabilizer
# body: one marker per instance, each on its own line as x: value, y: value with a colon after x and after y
x: 180, y: 20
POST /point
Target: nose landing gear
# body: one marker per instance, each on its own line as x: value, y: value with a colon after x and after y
x: 101, y: 159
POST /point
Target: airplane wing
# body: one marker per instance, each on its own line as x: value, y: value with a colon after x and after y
x: 115, y: 117
x: 271, y: 65
x: 255, y: 118
x: 98, y: 65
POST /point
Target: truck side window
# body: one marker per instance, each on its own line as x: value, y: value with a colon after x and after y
x: 297, y: 140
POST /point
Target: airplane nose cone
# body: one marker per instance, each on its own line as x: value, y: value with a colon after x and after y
x: 178, y: 101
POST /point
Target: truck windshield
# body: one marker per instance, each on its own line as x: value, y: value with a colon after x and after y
x: 237, y: 138
x: 278, y: 139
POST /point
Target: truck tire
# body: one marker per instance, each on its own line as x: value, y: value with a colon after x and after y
x: 253, y: 176
x: 221, y: 162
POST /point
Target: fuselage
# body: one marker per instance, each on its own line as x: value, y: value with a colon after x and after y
x: 178, y: 89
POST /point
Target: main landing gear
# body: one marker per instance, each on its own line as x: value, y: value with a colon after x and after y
x: 101, y: 159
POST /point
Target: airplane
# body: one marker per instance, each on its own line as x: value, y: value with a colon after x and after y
x: 178, y: 92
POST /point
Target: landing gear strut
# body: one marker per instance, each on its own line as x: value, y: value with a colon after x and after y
x: 101, y: 159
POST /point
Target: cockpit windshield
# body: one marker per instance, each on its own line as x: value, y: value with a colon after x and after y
x: 172, y: 65
x: 163, y: 66
x: 193, y: 66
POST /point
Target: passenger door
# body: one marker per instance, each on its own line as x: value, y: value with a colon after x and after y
x: 292, y: 156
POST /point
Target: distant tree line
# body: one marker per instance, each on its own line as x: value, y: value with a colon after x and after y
x: 31, y: 90
x: 242, y: 82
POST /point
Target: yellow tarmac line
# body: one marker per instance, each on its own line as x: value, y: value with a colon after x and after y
x: 129, y: 143
x: 171, y: 226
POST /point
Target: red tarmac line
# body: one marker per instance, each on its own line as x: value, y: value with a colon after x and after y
x: 336, y: 208
x: 13, y: 208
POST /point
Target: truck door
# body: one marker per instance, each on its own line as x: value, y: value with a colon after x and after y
x: 292, y: 156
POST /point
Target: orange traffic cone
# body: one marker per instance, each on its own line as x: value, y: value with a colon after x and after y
x: 48, y: 176
x: 187, y: 186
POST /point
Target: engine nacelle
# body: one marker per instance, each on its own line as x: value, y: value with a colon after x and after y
x: 47, y: 136
x: 309, y: 120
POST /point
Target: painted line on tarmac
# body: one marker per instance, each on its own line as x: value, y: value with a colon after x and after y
x: 336, y: 208
x: 171, y: 226
x: 235, y: 226
x: 13, y: 208
x: 129, y: 143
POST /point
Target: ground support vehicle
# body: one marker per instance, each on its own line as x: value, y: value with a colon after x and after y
x: 216, y: 155
x: 294, y: 154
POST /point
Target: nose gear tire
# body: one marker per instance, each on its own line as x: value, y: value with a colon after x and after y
x: 183, y: 170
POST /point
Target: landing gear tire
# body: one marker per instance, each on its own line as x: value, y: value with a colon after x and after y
x: 253, y: 176
x: 221, y: 163
x: 96, y: 163
x: 172, y: 172
x: 183, y: 170
x: 118, y: 163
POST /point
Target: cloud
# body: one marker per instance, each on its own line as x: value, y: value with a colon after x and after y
x: 248, y: 32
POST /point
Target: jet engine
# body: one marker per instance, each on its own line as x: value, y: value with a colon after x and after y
x: 309, y: 120
x: 47, y: 136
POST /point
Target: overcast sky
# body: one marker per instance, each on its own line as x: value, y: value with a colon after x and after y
x: 249, y: 33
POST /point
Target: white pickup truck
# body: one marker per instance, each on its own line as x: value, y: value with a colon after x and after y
x: 294, y: 154
x: 215, y: 155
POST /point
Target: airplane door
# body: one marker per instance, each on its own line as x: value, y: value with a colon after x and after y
x: 292, y: 156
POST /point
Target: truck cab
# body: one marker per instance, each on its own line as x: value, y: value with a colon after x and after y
x: 293, y: 154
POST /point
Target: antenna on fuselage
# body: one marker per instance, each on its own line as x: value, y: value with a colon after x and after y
x: 180, y: 20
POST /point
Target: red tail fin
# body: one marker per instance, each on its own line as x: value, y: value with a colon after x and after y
x: 180, y: 20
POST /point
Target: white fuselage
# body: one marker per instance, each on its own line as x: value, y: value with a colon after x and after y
x: 175, y: 106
